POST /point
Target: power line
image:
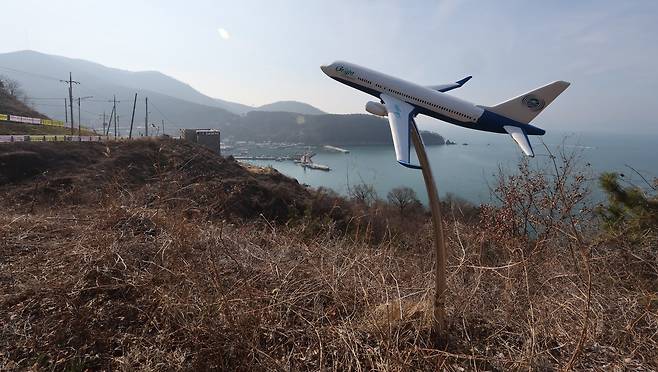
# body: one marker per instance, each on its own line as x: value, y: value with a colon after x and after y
x: 171, y: 122
x: 44, y: 99
x: 79, y: 118
x: 30, y: 73
x: 47, y: 104
x: 60, y: 98
x: 84, y: 88
x: 95, y: 92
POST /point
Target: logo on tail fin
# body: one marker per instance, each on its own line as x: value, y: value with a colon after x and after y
x: 533, y: 102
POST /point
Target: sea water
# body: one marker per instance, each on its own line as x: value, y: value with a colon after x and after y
x: 468, y: 169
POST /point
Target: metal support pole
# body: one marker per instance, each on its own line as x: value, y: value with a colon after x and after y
x: 439, y: 313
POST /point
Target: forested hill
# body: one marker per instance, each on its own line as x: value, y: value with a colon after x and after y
x: 352, y: 129
x: 11, y: 105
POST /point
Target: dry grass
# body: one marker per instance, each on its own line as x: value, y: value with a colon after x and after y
x: 125, y: 283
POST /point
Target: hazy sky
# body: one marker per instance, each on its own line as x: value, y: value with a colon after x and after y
x: 256, y: 52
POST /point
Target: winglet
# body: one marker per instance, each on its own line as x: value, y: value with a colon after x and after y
x: 463, y: 81
x: 446, y: 87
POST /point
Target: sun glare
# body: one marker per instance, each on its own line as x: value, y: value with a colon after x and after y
x: 223, y: 34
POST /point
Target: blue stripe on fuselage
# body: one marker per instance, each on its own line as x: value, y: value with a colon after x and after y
x: 495, y: 123
x: 487, y: 122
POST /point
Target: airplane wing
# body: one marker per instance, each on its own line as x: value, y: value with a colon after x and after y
x: 521, y: 139
x: 400, y: 118
x: 446, y: 87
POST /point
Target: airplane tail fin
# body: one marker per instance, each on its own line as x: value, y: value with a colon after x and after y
x: 527, y: 106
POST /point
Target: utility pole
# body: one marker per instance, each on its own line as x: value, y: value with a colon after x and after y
x: 163, y: 130
x: 115, y: 116
x: 79, y: 120
x: 79, y: 116
x: 132, y: 118
x: 116, y: 126
x: 109, y: 122
x: 103, y: 122
x: 146, y: 119
x: 66, y: 111
x: 70, y: 82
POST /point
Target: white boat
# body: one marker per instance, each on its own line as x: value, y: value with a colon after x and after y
x: 334, y: 148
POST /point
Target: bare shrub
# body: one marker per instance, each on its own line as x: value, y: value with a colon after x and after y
x: 11, y: 87
x: 363, y: 194
x: 403, y: 198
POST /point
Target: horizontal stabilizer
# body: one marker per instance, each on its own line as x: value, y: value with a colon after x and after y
x: 521, y: 139
x: 527, y: 106
x: 446, y: 87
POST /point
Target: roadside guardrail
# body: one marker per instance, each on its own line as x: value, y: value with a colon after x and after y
x: 50, y: 138
x: 29, y: 120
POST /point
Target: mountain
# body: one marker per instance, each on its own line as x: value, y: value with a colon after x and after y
x: 94, y: 77
x: 291, y: 106
x: 177, y: 105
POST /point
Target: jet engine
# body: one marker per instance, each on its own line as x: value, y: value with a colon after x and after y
x: 376, y: 109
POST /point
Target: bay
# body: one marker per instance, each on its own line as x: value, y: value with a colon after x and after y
x: 468, y: 170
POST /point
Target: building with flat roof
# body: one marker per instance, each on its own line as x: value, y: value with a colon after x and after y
x: 209, y: 138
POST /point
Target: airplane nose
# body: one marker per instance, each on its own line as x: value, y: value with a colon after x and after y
x: 324, y: 68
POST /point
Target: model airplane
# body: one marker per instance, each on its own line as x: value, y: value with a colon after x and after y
x: 401, y: 101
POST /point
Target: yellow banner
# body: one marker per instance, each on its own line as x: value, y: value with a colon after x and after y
x: 46, y: 122
x: 4, y: 117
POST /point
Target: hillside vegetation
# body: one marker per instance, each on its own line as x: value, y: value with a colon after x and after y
x: 157, y: 254
x: 351, y: 129
x: 11, y: 105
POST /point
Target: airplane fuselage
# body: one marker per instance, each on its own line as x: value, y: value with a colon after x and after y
x: 425, y: 100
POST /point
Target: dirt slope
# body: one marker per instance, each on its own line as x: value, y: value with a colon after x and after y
x: 48, y: 174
